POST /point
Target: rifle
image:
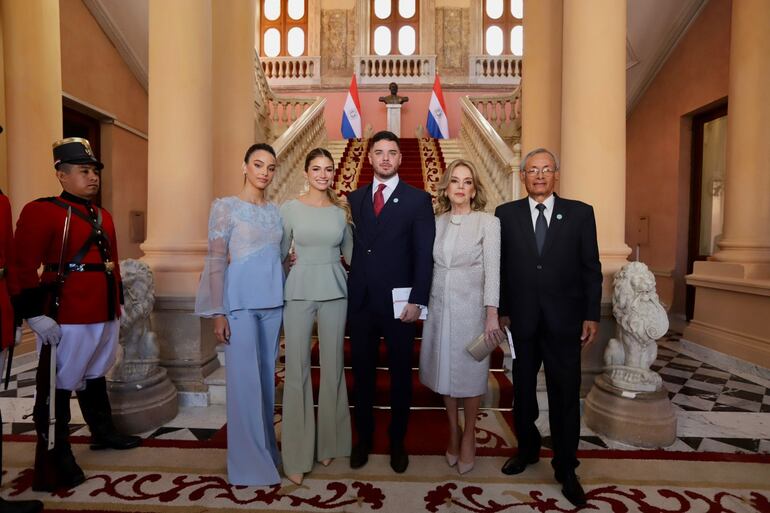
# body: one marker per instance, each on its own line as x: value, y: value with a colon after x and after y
x: 9, y: 358
x: 60, y: 276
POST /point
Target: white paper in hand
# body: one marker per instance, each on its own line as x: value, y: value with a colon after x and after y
x: 510, y: 342
x: 401, y: 299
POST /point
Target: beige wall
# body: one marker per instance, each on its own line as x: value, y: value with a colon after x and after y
x: 658, y: 134
x: 125, y: 187
x: 94, y: 73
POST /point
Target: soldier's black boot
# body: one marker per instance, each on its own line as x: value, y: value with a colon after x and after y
x: 56, y: 468
x: 95, y: 405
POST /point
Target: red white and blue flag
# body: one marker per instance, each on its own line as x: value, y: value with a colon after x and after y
x: 351, y: 113
x: 438, y: 126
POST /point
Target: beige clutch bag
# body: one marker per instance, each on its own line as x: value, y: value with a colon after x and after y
x: 478, y: 348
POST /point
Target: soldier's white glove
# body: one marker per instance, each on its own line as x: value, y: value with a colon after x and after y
x: 45, y: 328
x: 17, y: 337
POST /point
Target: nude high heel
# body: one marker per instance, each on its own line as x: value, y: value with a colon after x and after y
x: 464, y: 468
x: 295, y: 478
x: 451, y: 459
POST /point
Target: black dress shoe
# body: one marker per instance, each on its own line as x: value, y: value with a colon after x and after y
x: 114, y: 440
x: 517, y: 464
x: 359, y: 456
x: 571, y: 488
x: 399, y: 459
x: 20, y: 506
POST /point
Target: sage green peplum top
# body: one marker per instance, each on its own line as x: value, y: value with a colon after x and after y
x: 320, y: 236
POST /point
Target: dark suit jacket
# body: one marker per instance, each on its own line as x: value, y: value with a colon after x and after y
x: 564, y: 283
x: 392, y: 250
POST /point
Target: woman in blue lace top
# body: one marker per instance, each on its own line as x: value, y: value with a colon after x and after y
x: 242, y: 289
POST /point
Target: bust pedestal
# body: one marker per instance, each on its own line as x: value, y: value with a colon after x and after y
x: 642, y: 419
x: 394, y: 118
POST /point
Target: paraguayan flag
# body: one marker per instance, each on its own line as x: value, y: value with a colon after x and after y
x: 438, y: 126
x: 351, y: 113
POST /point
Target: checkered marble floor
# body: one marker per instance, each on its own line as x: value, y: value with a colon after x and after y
x: 717, y: 410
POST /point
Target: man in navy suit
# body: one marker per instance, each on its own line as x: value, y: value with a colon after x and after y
x: 551, y: 287
x: 393, y: 234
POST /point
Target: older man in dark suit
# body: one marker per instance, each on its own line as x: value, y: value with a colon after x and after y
x: 393, y: 248
x: 551, y: 286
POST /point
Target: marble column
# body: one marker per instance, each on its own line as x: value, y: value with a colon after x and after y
x: 541, y: 85
x: 233, y: 91
x: 180, y: 183
x: 32, y: 55
x: 732, y: 299
x: 593, y: 138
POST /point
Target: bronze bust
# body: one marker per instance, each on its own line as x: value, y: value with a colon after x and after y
x: 393, y: 98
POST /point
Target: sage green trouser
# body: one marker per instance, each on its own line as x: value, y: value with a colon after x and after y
x: 301, y: 443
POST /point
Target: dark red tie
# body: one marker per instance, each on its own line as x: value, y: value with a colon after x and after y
x: 379, y: 200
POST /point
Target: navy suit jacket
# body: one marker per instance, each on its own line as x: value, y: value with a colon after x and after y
x: 392, y: 250
x: 564, y: 283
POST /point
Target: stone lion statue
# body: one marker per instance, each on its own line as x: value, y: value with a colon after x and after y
x: 138, y: 354
x: 641, y: 321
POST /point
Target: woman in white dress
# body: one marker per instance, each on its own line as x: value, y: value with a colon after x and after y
x: 463, y: 304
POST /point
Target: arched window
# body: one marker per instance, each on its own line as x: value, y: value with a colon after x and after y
x: 283, y: 26
x: 503, y: 29
x: 395, y: 27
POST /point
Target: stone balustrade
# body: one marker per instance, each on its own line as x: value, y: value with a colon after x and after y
x: 274, y: 114
x: 404, y: 69
x: 283, y: 71
x: 304, y: 134
x: 293, y: 125
x: 497, y: 162
x: 494, y: 69
x: 502, y: 112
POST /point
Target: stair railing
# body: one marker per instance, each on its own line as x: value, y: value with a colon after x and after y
x: 291, y: 147
x: 275, y: 114
x: 497, y: 162
x: 502, y: 112
x: 294, y: 126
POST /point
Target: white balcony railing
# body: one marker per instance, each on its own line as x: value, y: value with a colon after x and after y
x: 283, y: 71
x: 494, y: 69
x: 403, y: 69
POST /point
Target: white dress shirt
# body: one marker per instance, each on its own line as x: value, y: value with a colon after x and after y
x: 390, y: 186
x: 549, y: 201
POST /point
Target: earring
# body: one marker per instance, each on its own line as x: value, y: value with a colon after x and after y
x: 244, y: 173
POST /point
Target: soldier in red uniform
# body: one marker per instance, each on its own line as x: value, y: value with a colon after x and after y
x: 75, y: 305
x: 8, y: 327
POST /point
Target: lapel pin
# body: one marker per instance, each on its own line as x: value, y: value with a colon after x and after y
x: 559, y: 216
x: 395, y: 200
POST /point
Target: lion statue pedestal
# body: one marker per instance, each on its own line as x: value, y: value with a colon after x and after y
x: 628, y: 402
x: 143, y: 398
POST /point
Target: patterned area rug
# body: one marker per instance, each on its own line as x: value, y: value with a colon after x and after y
x: 166, y: 476
x: 173, y: 480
